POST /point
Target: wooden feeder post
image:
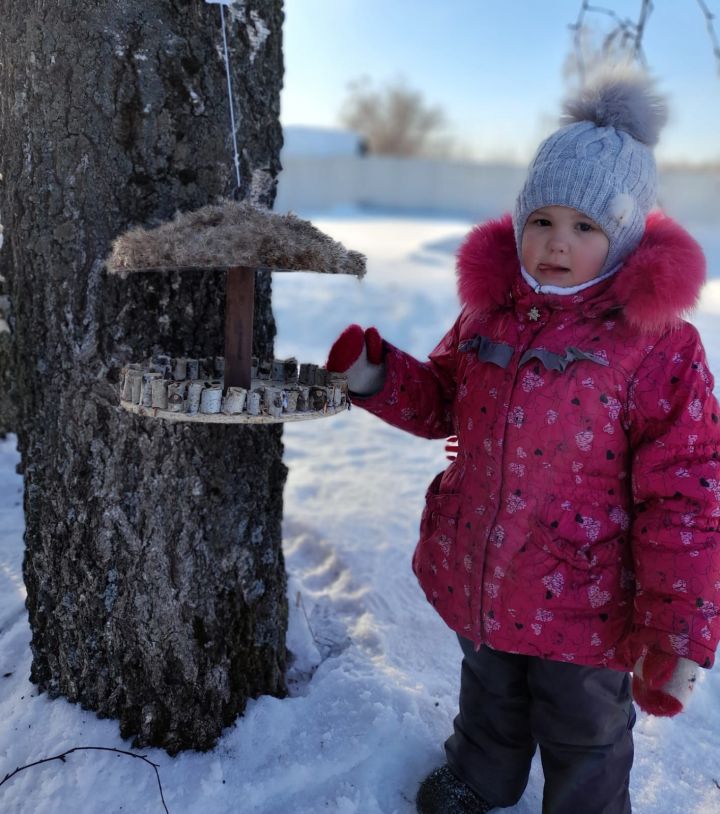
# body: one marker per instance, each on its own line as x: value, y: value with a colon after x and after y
x: 239, y: 305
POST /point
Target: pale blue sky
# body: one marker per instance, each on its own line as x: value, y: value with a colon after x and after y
x: 494, y: 66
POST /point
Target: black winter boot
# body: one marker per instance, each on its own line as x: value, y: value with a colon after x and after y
x: 442, y: 793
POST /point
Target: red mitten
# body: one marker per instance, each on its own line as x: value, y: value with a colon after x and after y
x: 358, y: 354
x: 662, y: 683
x: 374, y: 345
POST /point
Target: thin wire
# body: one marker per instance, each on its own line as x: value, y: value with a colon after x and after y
x: 230, y: 98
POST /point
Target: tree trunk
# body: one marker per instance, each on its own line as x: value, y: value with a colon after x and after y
x: 7, y: 397
x: 153, y: 566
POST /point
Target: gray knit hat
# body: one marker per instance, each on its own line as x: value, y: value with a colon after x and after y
x: 601, y: 161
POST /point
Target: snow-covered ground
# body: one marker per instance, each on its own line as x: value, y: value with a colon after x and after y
x: 375, y: 681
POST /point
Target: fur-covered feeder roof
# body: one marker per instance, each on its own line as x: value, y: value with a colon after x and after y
x: 231, y: 235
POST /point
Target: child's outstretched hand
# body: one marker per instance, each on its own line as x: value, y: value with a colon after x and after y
x: 451, y: 447
x: 662, y: 683
x: 359, y: 355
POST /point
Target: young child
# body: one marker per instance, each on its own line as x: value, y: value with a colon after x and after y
x: 575, y: 536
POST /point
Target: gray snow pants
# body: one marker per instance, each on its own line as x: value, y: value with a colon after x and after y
x: 581, y: 717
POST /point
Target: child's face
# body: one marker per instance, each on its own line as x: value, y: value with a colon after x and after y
x: 562, y: 247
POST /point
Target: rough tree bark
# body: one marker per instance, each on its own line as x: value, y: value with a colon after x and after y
x: 7, y: 398
x: 153, y: 566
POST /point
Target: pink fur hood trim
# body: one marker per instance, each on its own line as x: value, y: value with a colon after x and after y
x: 659, y: 283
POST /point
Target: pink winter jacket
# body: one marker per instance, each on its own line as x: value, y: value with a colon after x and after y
x: 580, y: 519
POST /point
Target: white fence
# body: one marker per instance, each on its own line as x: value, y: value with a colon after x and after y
x: 319, y: 183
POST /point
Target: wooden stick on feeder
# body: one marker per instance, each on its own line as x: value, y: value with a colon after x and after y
x: 239, y: 306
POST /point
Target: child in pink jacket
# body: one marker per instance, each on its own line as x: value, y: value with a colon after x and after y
x: 575, y: 537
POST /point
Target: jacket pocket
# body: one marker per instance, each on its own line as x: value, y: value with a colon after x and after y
x: 568, y: 587
x: 581, y: 555
x: 441, y: 511
x: 576, y: 579
x: 437, y: 559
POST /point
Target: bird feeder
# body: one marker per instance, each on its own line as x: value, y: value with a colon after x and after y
x: 235, y: 239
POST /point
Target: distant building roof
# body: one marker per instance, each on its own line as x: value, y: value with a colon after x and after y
x: 303, y: 140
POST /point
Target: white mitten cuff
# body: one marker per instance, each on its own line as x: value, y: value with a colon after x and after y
x: 365, y: 378
x: 682, y: 681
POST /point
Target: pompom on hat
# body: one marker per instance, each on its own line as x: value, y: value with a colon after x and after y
x: 601, y: 162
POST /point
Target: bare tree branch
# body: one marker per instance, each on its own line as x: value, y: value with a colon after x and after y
x: 710, y: 24
x: 62, y: 757
x: 626, y: 35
